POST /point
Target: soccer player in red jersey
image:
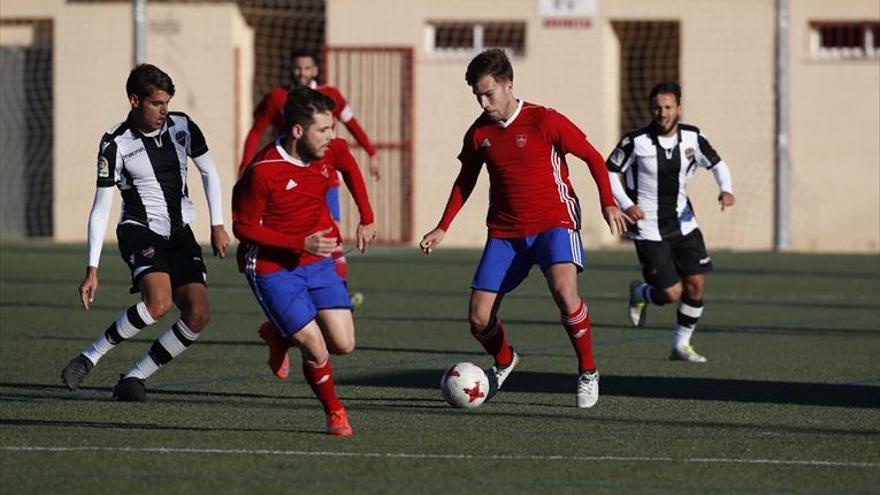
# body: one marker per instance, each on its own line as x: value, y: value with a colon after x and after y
x: 287, y: 236
x: 534, y: 214
x: 304, y: 72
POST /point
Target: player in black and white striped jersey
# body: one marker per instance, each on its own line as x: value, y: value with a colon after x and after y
x: 145, y: 157
x: 657, y: 162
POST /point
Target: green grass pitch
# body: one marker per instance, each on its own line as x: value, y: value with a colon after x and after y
x: 789, y: 401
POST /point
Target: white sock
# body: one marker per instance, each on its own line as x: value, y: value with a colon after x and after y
x: 168, y: 346
x: 688, y: 315
x: 127, y: 325
x: 682, y: 336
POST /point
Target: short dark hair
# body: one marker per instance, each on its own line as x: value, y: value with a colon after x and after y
x: 144, y: 79
x: 492, y: 62
x: 302, y: 52
x: 665, y: 88
x: 302, y: 104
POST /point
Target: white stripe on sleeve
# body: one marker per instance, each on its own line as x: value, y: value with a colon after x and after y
x: 723, y: 177
x: 98, y: 219
x: 211, y: 182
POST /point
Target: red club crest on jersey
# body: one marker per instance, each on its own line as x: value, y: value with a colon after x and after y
x: 474, y: 393
x: 521, y: 140
x: 325, y: 172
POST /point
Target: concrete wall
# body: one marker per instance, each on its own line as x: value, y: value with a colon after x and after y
x: 211, y: 67
x: 835, y: 137
x: 727, y: 57
x: 576, y: 71
x: 727, y: 75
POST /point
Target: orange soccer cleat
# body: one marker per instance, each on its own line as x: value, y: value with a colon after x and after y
x: 279, y: 360
x: 337, y: 423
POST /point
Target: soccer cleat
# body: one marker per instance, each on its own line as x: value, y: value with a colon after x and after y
x: 279, y: 359
x: 686, y: 353
x: 337, y: 423
x: 75, y: 371
x: 130, y: 389
x: 357, y: 300
x: 638, y: 307
x: 497, y: 375
x: 588, y: 389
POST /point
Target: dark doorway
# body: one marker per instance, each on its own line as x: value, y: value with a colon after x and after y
x: 649, y: 53
x: 26, y: 135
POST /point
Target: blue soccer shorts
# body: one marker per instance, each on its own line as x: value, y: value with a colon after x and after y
x: 506, y: 262
x: 292, y: 298
x: 331, y: 197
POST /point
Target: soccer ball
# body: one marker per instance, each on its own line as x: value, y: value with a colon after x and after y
x: 464, y: 385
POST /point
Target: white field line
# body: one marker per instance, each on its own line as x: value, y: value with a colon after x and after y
x: 404, y: 455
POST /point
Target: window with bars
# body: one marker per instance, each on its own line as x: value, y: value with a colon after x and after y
x: 845, y: 40
x: 464, y: 39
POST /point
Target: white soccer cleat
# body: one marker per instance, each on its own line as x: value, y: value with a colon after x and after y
x: 497, y: 375
x: 638, y: 307
x: 588, y: 389
x: 686, y: 353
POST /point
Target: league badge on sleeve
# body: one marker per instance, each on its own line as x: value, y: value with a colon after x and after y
x: 180, y: 137
x: 103, y: 167
x: 616, y: 158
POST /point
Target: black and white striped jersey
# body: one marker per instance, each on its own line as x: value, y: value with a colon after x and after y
x: 150, y: 171
x: 656, y: 171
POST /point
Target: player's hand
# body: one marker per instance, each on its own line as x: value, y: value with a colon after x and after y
x: 635, y: 213
x: 431, y: 240
x: 365, y: 235
x: 319, y: 245
x: 375, y: 167
x: 219, y: 240
x: 89, y: 287
x: 726, y: 200
x: 616, y: 220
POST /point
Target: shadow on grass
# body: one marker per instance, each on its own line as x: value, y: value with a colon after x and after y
x: 655, y: 387
x: 429, y: 404
x: 119, y: 425
x: 707, y: 328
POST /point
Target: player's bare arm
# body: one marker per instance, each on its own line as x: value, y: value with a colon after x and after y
x: 319, y: 245
x: 635, y: 213
x: 375, y: 169
x: 431, y: 240
x: 219, y: 240
x: 89, y: 287
x: 365, y: 235
x: 726, y: 200
x: 616, y: 220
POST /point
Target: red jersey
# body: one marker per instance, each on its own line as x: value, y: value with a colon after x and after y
x: 529, y: 188
x: 279, y: 200
x: 270, y: 111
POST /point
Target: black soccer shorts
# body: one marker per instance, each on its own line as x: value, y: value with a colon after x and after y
x: 145, y: 251
x: 664, y: 262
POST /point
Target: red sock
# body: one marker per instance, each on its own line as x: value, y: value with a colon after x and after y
x: 494, y: 340
x: 340, y: 262
x: 577, y: 326
x: 320, y: 378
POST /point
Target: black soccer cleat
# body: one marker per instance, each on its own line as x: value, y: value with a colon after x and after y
x: 130, y: 389
x: 75, y: 371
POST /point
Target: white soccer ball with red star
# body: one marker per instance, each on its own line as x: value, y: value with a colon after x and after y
x: 464, y: 385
